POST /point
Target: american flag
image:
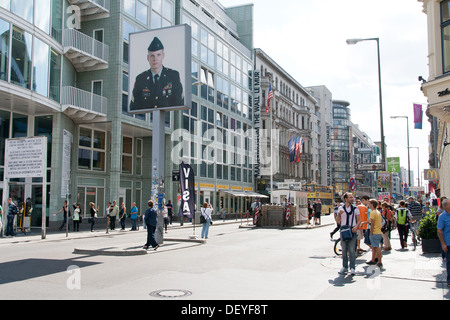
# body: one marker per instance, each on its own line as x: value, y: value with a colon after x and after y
x: 270, y: 97
x: 288, y: 208
x: 256, y: 215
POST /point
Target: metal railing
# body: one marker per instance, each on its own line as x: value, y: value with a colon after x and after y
x: 82, y: 42
x: 84, y: 100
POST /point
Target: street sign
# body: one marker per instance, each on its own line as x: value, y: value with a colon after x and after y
x: 370, y: 167
x: 352, y: 184
x: 394, y: 165
x: 175, y: 175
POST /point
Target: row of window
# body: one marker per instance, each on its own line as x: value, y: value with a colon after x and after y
x: 162, y: 12
x: 92, y: 152
x: 29, y: 62
x: 44, y: 14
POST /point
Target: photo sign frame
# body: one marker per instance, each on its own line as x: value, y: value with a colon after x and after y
x: 160, y: 70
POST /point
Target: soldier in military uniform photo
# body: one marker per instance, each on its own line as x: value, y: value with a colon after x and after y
x: 158, y: 87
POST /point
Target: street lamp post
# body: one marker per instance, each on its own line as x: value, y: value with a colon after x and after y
x: 383, y: 145
x: 409, y: 156
x: 418, y: 165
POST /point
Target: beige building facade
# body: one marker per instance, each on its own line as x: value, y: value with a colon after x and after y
x: 437, y: 87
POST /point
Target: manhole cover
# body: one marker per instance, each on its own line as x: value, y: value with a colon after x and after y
x: 168, y: 294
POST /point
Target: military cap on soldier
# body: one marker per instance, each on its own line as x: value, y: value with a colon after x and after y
x: 156, y: 45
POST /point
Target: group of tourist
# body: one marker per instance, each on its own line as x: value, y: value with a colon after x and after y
x: 372, y: 221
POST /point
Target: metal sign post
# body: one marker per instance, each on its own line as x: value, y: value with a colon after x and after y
x: 158, y: 163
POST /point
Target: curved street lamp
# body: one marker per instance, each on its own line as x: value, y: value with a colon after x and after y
x: 383, y: 145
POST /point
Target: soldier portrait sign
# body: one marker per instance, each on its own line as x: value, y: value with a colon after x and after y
x: 160, y: 70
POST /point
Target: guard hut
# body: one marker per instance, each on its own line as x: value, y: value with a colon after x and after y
x: 298, y: 199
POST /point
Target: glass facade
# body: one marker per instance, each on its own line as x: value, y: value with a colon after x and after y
x: 341, y: 142
x: 34, y: 57
x: 34, y: 65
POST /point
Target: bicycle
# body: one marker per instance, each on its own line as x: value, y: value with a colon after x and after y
x: 413, y: 232
x: 338, y: 248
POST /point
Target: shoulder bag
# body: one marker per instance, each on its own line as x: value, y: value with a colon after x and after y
x: 202, y: 218
x: 346, y: 231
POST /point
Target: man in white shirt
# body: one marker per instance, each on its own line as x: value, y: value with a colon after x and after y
x: 348, y: 215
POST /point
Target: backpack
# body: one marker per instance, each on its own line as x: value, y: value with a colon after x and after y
x: 384, y: 224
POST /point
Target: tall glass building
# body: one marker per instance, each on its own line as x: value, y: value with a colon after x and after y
x: 64, y: 68
x: 341, y: 142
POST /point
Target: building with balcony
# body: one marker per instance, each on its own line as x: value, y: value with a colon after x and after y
x: 293, y: 110
x: 437, y: 87
x: 64, y: 72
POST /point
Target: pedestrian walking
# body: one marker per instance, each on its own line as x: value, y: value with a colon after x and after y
x: 113, y: 213
x: 151, y: 220
x: 206, y: 211
x: 76, y: 217
x: 416, y: 211
x: 93, y: 217
x: 444, y: 234
x: 348, y: 217
x: 165, y: 214
x: 317, y: 212
x: 133, y: 216
x: 401, y: 217
x: 376, y: 235
x: 388, y: 217
x: 336, y: 208
x: 12, y: 212
x: 123, y: 216
x: 66, y: 211
x: 311, y: 212
x: 170, y: 211
x: 107, y: 215
x: 363, y: 226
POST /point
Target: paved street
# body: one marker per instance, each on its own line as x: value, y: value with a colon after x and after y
x: 234, y: 264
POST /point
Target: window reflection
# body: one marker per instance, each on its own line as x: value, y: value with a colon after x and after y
x: 41, y: 67
x: 21, y: 57
x: 24, y: 9
x: 4, y: 50
x: 43, y: 11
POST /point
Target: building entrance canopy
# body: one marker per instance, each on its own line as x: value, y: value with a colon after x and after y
x: 245, y: 194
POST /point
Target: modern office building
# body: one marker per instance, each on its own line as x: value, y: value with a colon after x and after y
x: 436, y: 89
x: 220, y: 124
x: 324, y: 115
x: 64, y: 74
x: 341, y: 142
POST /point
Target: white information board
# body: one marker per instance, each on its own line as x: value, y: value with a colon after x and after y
x: 26, y: 158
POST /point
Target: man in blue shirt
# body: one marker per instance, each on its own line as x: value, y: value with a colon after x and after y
x: 12, y: 211
x: 444, y: 233
x: 133, y: 217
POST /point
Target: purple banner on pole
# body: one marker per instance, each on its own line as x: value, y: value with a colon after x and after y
x: 418, y: 116
x: 187, y: 207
